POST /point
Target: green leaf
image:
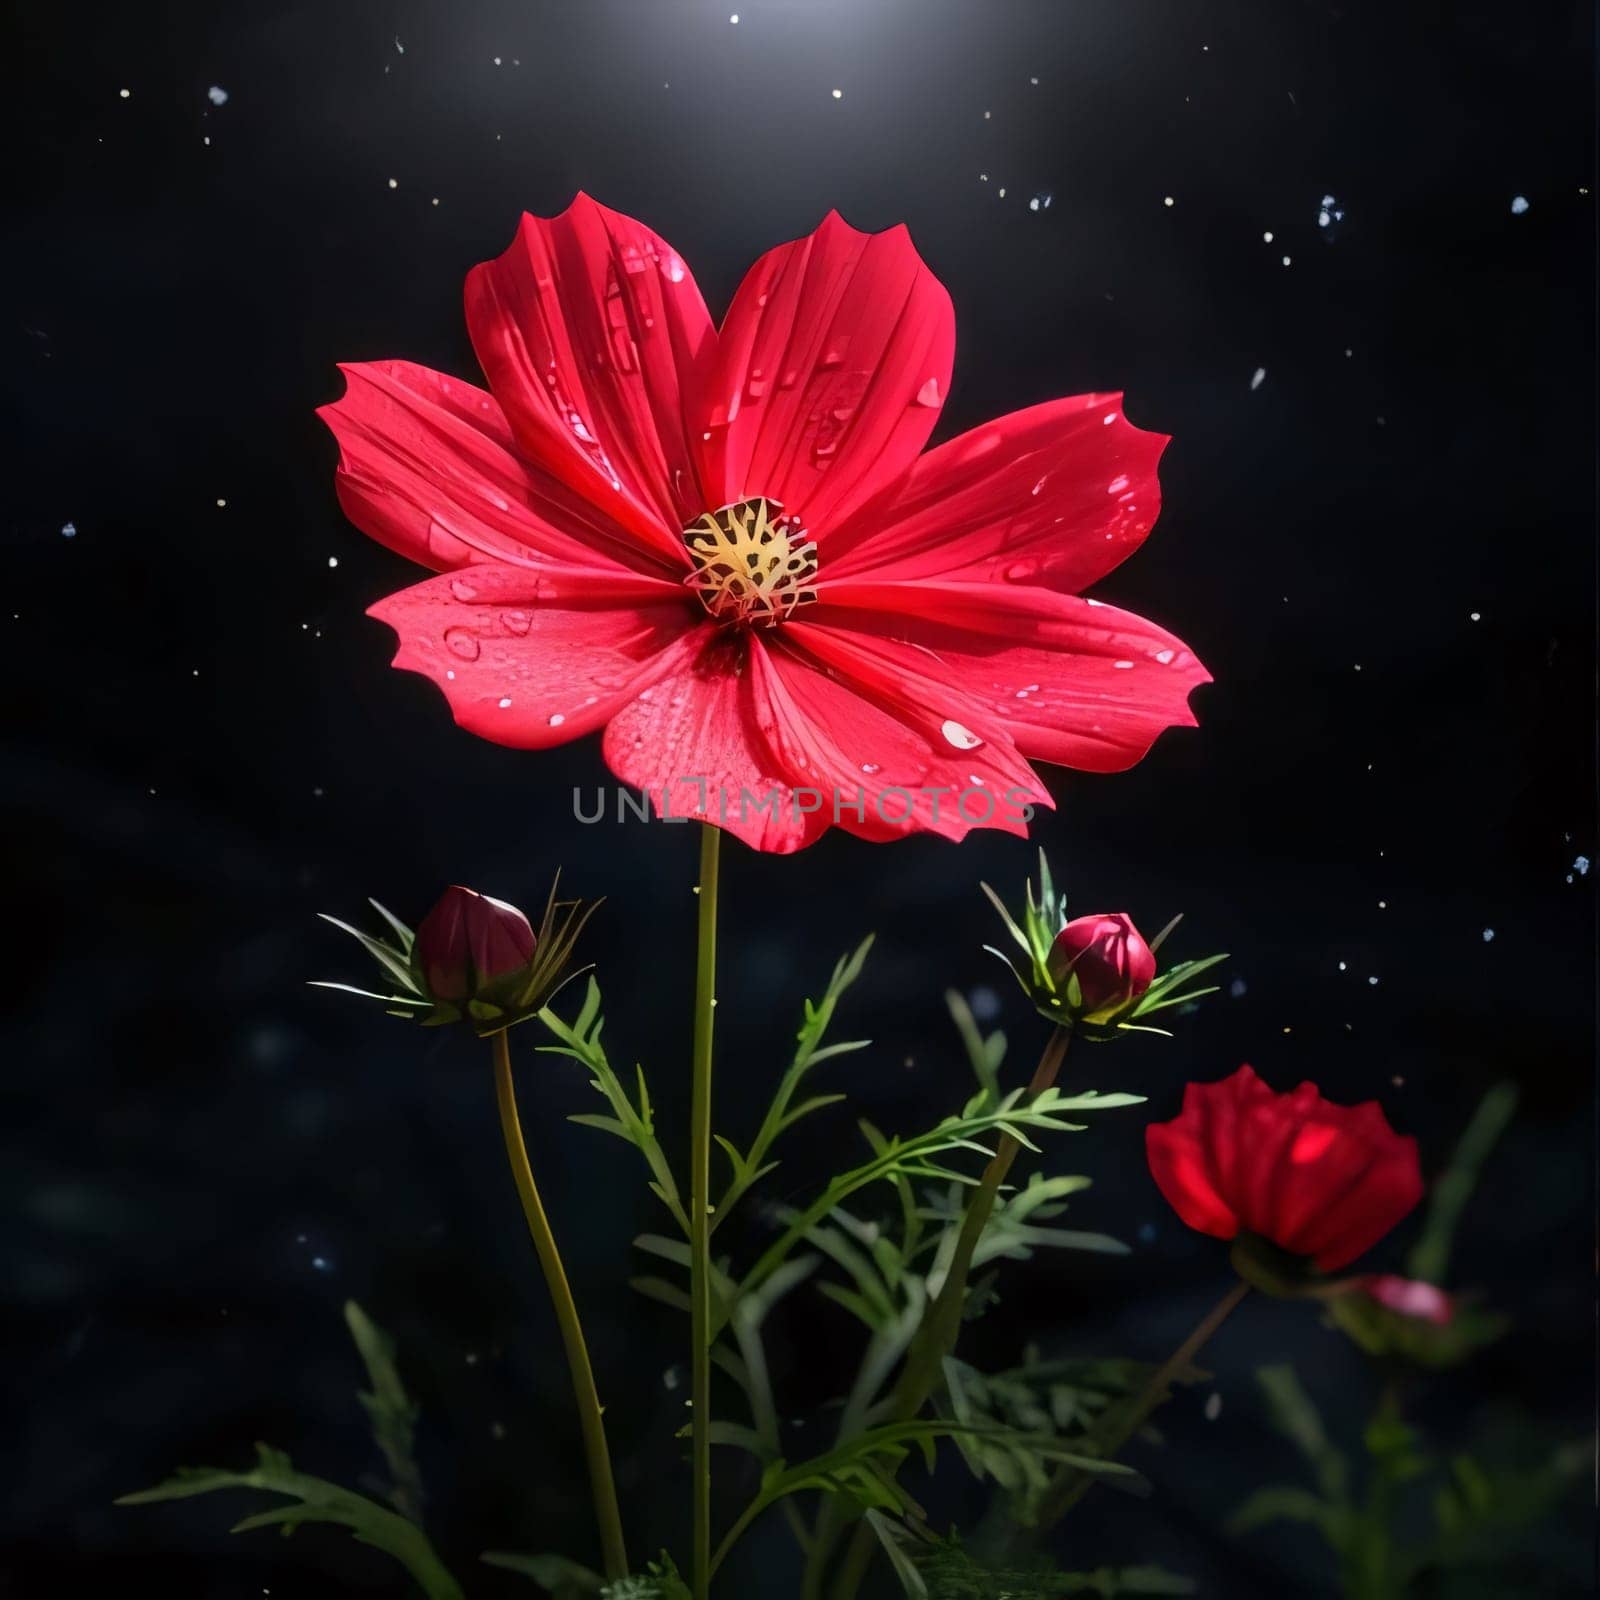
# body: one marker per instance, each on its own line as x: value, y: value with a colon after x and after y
x: 317, y: 1500
x: 782, y: 1113
x: 1430, y: 1256
x: 894, y: 1159
x: 391, y: 1411
x: 628, y: 1120
x: 1294, y: 1416
x: 566, y: 1580
x: 1283, y: 1503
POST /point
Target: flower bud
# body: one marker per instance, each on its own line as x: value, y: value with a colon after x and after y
x: 473, y: 959
x: 469, y: 941
x: 1109, y: 959
x: 1409, y: 1297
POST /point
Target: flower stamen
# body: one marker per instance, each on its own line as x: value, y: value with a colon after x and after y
x: 752, y: 564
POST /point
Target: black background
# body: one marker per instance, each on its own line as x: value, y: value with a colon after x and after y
x: 203, y: 1157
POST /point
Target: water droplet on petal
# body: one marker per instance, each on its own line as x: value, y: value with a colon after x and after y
x: 928, y: 394
x: 463, y: 590
x: 461, y: 642
x: 517, y: 622
x: 556, y: 719
x: 962, y: 738
x: 1124, y: 665
x: 1164, y: 657
x: 871, y: 768
x: 505, y: 700
x: 1117, y: 484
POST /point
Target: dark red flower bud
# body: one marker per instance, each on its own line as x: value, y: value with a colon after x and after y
x: 1409, y: 1297
x: 1313, y: 1178
x: 468, y: 941
x: 1108, y: 957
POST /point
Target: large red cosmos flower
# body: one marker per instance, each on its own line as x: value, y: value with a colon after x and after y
x: 723, y: 548
x: 1313, y: 1178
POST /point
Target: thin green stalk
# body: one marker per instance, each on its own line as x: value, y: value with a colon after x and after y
x: 1071, y: 1487
x: 938, y: 1335
x: 705, y: 982
x: 601, y: 1483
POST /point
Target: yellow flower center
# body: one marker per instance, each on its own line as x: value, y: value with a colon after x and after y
x: 752, y: 564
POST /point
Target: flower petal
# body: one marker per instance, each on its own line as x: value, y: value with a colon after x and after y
x: 1069, y: 680
x: 833, y: 364
x: 598, y: 345
x: 535, y: 658
x: 1180, y: 1164
x: 694, y: 740
x: 1056, y: 495
x: 428, y: 467
x: 884, y: 751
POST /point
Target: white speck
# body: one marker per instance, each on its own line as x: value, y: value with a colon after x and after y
x: 398, y: 46
x: 1034, y: 82
x: 1383, y: 905
x: 1581, y: 866
x: 69, y: 530
x: 1002, y: 193
x: 1167, y: 200
x: 1342, y: 967
x: 1266, y: 238
x: 1122, y: 665
x: 505, y: 700
x: 1213, y: 1406
x: 838, y: 94
x: 1373, y: 982
x: 556, y: 717
x: 122, y: 94
x: 1286, y: 261
x: 1348, y: 353
x: 221, y: 504
x: 497, y: 61
x: 333, y: 561
x: 1258, y: 377
x: 1040, y: 202
x: 1164, y: 657
x: 1518, y: 206
x: 1488, y: 935
x: 987, y: 115
x: 1358, y: 666
x: 1475, y: 616
x: 1238, y: 988
x: 217, y: 96
x: 434, y: 201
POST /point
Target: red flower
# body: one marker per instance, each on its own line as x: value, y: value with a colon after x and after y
x: 723, y: 548
x: 1408, y: 1297
x: 1313, y: 1178
x: 1108, y: 957
x: 468, y: 941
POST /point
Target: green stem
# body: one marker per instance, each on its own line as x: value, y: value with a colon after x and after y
x: 939, y: 1332
x: 601, y: 1483
x: 700, y: 1210
x: 1071, y: 1487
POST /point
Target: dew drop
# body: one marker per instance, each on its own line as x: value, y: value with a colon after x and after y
x: 1122, y: 665
x: 1117, y: 484
x: 556, y: 719
x: 517, y: 622
x: 463, y: 590
x: 871, y: 768
x: 1164, y: 657
x: 460, y: 642
x: 928, y: 394
x: 961, y: 737
x: 505, y: 700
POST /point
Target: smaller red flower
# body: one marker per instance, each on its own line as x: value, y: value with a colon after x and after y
x: 468, y: 941
x: 1108, y: 957
x: 1313, y: 1178
x: 1409, y: 1297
